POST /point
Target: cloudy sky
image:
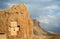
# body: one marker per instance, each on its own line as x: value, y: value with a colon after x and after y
x: 46, y: 11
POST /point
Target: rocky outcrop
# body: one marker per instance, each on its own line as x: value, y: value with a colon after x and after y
x: 39, y: 31
x: 16, y: 17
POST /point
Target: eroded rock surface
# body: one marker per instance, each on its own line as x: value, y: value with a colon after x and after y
x: 16, y: 20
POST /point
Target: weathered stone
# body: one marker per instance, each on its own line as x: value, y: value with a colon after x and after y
x: 3, y: 36
x: 19, y: 14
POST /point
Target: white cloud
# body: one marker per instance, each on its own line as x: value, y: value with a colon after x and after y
x: 49, y: 20
x: 52, y: 7
x: 51, y: 17
x: 44, y: 20
x: 46, y: 0
x: 10, y: 4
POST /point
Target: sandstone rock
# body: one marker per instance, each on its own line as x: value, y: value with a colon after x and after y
x: 19, y: 14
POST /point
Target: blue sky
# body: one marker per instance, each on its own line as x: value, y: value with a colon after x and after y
x: 46, y: 11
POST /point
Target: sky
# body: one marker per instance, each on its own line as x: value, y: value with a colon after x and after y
x: 45, y: 11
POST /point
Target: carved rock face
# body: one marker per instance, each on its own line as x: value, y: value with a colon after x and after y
x: 20, y: 15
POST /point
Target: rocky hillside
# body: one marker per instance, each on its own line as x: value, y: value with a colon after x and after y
x: 38, y: 31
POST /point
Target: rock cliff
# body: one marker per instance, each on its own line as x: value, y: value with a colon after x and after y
x: 15, y: 23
